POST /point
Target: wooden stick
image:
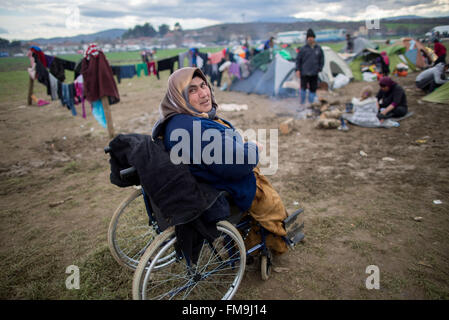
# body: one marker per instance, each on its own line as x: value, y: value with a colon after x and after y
x: 30, y: 91
x: 108, y: 115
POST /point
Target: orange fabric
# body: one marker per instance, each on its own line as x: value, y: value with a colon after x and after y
x: 222, y: 122
x: 267, y: 209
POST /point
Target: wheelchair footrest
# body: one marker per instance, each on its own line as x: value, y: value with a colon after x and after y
x: 296, y: 235
x: 291, y: 219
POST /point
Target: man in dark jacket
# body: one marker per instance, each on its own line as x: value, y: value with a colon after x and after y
x: 349, y: 43
x: 309, y: 62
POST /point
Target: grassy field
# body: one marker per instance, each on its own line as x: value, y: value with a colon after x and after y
x: 14, y: 78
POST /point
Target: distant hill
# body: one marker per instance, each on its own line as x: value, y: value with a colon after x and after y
x: 403, y: 17
x: 402, y: 25
x: 282, y: 20
x: 105, y: 35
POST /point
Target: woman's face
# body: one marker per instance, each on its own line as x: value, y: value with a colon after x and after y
x: 199, y: 95
x: 311, y: 41
x: 385, y: 89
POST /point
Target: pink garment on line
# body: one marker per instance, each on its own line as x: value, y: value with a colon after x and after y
x: 80, y: 93
x: 215, y: 58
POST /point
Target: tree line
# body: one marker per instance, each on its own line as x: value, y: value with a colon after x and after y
x: 147, y: 30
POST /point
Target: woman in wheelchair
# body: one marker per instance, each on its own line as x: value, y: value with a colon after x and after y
x: 188, y: 115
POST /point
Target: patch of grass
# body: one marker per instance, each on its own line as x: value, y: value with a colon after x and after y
x: 71, y: 167
x: 12, y: 185
x: 97, y: 167
x: 101, y: 278
x: 427, y: 282
x: 29, y: 273
x: 13, y: 216
x: 394, y: 283
x: 363, y: 248
x: 55, y: 212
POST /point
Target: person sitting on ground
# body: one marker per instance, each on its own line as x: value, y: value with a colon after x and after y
x: 430, y: 79
x: 189, y: 106
x: 365, y: 109
x: 391, y: 99
x: 440, y: 51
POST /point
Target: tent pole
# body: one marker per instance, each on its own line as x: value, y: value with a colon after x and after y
x: 30, y: 91
x: 108, y: 115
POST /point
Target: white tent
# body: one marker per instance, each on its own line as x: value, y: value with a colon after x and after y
x: 268, y: 82
x: 280, y: 79
x: 333, y: 65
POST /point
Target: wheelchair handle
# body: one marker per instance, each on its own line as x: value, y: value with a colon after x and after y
x: 125, y: 173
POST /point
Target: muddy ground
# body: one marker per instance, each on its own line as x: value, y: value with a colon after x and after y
x: 359, y: 210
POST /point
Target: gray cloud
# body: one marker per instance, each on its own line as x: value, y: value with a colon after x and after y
x: 232, y: 10
x: 16, y: 15
x: 99, y: 13
x: 54, y: 25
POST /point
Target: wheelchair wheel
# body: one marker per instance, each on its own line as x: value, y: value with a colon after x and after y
x: 129, y: 234
x: 217, y: 274
x: 265, y: 266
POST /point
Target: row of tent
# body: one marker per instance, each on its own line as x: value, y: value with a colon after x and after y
x: 276, y: 76
x: 407, y: 51
x: 411, y: 52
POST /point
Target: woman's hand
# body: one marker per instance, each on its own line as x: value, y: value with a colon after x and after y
x: 387, y: 109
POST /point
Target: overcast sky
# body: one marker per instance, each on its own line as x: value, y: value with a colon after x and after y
x: 29, y: 19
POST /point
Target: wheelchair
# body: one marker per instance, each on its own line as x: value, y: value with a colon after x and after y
x: 137, y: 242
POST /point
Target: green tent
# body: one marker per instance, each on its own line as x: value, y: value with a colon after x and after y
x: 354, y: 65
x: 261, y: 61
x: 440, y: 95
x: 286, y: 55
x: 394, y: 52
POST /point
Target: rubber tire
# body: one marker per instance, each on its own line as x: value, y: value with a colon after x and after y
x: 111, y: 230
x: 265, y: 267
x: 167, y: 235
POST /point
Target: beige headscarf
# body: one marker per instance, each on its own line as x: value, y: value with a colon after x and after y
x: 176, y: 101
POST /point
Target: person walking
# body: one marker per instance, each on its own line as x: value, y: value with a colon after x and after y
x: 309, y: 63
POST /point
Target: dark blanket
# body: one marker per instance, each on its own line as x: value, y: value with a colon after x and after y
x: 177, y: 199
